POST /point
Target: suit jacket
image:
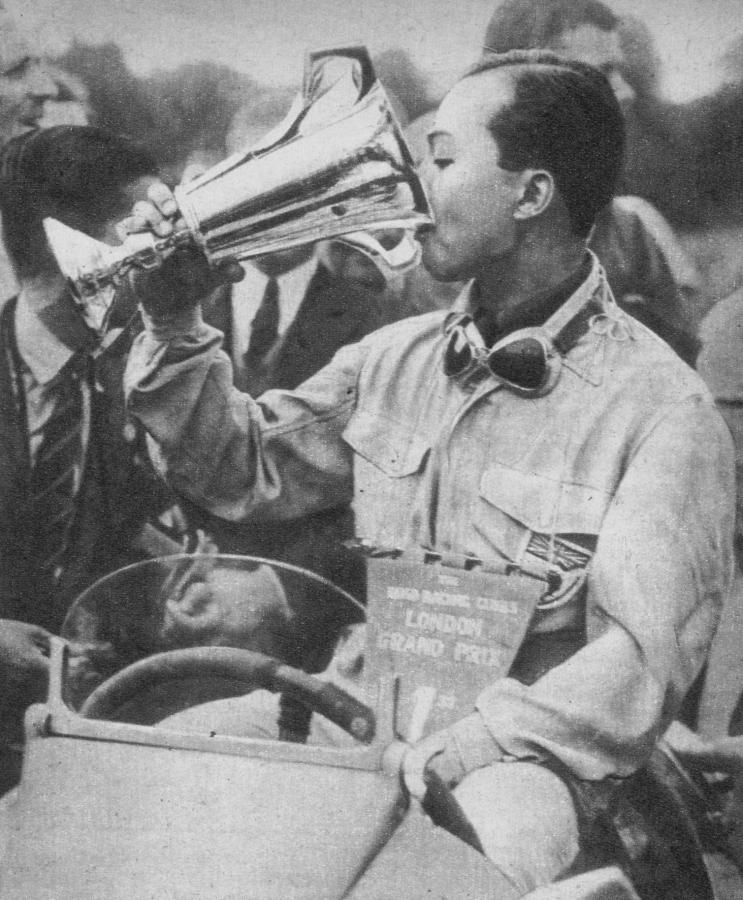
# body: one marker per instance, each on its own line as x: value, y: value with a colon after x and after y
x: 333, y: 313
x: 119, y: 490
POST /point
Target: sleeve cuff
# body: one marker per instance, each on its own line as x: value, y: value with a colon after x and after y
x: 475, y: 743
x: 176, y: 324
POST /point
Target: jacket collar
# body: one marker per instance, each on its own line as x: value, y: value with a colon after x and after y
x: 591, y: 308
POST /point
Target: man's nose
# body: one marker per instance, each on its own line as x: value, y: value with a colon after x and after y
x: 39, y: 82
x: 623, y: 90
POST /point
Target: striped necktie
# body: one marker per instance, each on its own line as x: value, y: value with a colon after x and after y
x: 57, y: 465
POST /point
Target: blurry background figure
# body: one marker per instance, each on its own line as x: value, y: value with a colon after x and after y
x: 406, y: 86
x: 71, y: 106
x: 26, y: 85
x: 77, y: 492
x: 294, y: 309
x: 720, y: 364
x: 25, y: 81
x: 647, y: 268
x: 657, y: 155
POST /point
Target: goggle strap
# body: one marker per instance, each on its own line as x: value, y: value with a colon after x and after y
x: 574, y: 306
x: 562, y: 330
x: 570, y: 322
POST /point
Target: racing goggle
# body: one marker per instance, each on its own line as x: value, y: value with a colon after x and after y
x: 529, y: 361
x: 526, y: 361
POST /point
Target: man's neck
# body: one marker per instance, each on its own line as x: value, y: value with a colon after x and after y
x: 534, y: 268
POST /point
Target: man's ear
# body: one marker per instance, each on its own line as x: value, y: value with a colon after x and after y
x: 537, y: 192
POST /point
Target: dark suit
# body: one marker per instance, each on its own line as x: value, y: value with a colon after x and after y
x: 332, y: 314
x: 118, y: 491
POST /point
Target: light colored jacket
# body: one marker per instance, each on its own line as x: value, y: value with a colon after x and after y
x: 625, y: 459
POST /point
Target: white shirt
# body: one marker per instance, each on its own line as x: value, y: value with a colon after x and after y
x: 248, y: 294
x: 8, y: 281
x: 43, y: 356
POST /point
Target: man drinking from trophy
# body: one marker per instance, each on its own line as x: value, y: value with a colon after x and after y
x: 534, y: 426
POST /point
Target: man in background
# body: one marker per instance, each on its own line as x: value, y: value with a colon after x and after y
x: 294, y: 309
x: 75, y: 488
x: 720, y: 364
x: 648, y: 270
x: 25, y: 86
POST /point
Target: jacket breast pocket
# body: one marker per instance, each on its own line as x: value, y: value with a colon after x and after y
x: 390, y: 447
x: 388, y: 460
x: 539, y: 521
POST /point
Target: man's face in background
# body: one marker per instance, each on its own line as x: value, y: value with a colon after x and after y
x: 25, y: 84
x: 602, y: 49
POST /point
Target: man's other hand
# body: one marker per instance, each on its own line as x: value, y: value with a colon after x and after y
x: 24, y: 678
x: 24, y: 659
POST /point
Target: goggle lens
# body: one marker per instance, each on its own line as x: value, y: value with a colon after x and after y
x: 522, y: 362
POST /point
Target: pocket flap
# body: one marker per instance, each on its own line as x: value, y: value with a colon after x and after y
x: 542, y: 503
x: 386, y: 444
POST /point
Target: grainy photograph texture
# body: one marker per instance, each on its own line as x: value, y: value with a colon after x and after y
x: 371, y: 439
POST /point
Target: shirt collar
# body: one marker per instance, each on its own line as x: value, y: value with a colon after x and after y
x: 295, y: 281
x: 39, y: 325
x: 292, y: 288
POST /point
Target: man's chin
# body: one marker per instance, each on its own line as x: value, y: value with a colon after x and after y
x: 438, y: 268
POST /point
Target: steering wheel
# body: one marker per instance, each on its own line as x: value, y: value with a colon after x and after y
x: 256, y: 670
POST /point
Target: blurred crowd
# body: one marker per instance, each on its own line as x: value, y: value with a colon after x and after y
x: 66, y: 127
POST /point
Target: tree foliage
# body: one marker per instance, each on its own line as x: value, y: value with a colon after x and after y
x: 178, y: 114
x: 687, y: 159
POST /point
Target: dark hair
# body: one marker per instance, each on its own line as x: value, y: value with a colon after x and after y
x: 75, y: 173
x: 533, y: 24
x: 563, y: 118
